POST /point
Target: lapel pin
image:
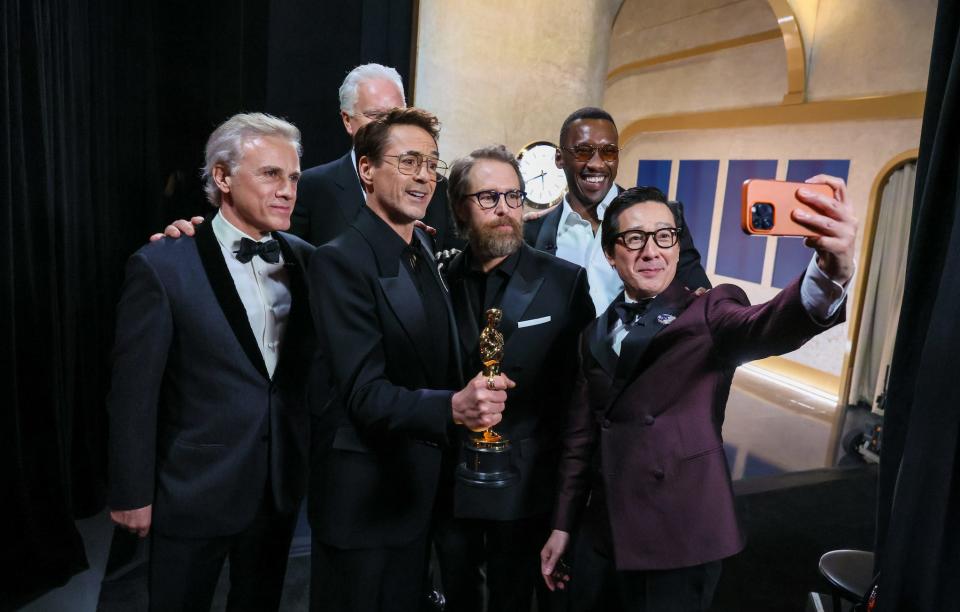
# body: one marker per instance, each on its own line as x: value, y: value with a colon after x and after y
x: 665, y: 319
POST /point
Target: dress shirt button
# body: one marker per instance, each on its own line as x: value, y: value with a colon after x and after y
x: 605, y: 424
x: 648, y: 419
x: 658, y: 474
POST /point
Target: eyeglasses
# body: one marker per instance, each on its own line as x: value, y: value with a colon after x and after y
x: 491, y: 197
x: 372, y: 114
x: 635, y: 240
x: 584, y: 152
x: 410, y: 163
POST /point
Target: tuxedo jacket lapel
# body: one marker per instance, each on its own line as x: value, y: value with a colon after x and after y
x: 517, y: 296
x: 226, y: 292
x: 299, y: 322
x: 662, y: 311
x: 600, y: 345
x: 346, y: 179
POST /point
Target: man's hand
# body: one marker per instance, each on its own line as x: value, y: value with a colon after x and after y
x: 536, y: 214
x: 480, y: 404
x: 835, y: 225
x: 555, y: 571
x: 135, y: 521
x: 178, y: 227
x: 430, y: 230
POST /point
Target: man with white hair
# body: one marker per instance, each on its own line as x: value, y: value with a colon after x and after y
x: 208, y: 418
x: 331, y: 194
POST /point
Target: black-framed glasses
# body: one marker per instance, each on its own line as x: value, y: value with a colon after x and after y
x: 489, y: 198
x: 665, y: 237
x: 410, y: 163
x: 584, y: 152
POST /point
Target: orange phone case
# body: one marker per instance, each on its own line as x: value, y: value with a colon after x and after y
x: 781, y: 196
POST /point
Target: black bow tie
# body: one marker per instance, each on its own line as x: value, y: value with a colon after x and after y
x: 630, y: 312
x: 268, y: 251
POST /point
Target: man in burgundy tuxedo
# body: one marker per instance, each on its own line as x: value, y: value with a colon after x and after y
x: 643, y: 473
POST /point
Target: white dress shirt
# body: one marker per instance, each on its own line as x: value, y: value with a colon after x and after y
x: 577, y: 243
x: 264, y: 289
x: 819, y: 295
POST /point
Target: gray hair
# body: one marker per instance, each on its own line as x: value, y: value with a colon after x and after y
x: 459, y: 176
x: 366, y: 72
x: 225, y: 145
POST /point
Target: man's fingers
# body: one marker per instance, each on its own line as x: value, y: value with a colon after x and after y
x: 196, y: 220
x: 156, y: 237
x: 509, y: 384
x: 184, y: 226
x: 838, y: 184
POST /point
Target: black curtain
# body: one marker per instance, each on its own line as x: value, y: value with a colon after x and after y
x: 918, y: 531
x: 106, y: 105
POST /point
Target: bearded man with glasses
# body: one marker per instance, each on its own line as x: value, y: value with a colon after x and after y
x: 545, y: 304
x: 589, y: 155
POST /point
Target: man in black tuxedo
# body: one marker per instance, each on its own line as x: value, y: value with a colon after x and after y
x: 330, y: 195
x: 545, y: 303
x: 208, y: 418
x: 386, y: 328
x: 589, y: 155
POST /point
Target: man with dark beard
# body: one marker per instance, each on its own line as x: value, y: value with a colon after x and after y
x: 545, y: 303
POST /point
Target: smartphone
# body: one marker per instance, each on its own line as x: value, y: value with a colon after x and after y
x: 767, y: 206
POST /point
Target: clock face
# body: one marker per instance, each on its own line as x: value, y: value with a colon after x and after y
x: 545, y: 183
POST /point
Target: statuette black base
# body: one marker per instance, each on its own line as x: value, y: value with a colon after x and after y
x: 487, y: 465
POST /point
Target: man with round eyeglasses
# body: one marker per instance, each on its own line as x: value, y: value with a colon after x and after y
x: 643, y: 474
x: 589, y: 154
x: 545, y: 303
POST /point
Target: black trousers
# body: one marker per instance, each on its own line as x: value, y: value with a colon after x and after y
x: 369, y: 579
x: 510, y: 552
x: 597, y: 586
x: 184, y: 571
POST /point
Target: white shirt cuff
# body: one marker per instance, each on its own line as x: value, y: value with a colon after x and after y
x: 820, y: 295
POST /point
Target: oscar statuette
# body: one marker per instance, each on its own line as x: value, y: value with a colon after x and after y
x: 487, y: 457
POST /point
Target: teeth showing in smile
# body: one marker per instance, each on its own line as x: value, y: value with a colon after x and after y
x: 594, y: 178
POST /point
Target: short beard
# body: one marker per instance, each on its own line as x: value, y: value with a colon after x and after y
x: 487, y: 243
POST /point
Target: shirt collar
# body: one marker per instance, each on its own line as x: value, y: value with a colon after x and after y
x: 570, y: 217
x: 229, y: 236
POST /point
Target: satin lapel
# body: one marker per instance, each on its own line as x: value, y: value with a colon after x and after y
x: 547, y: 239
x: 517, y: 296
x: 600, y: 345
x: 351, y: 200
x: 466, y: 318
x: 407, y: 305
x: 428, y: 249
x: 661, y: 314
x: 226, y: 292
x: 299, y: 323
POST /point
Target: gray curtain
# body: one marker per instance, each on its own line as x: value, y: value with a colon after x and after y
x: 884, y: 292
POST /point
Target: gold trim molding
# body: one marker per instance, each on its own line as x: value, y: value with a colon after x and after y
x: 629, y: 68
x: 812, y: 377
x: 895, y: 106
x: 793, y: 45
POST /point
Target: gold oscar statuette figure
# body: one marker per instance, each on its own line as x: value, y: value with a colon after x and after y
x: 491, y: 354
x: 487, y: 457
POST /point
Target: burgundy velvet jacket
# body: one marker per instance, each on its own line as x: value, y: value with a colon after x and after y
x: 655, y: 416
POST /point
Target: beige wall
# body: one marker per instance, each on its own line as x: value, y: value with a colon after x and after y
x: 506, y: 71
x: 856, y: 48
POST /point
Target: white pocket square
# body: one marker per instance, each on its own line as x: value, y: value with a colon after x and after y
x: 532, y: 322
